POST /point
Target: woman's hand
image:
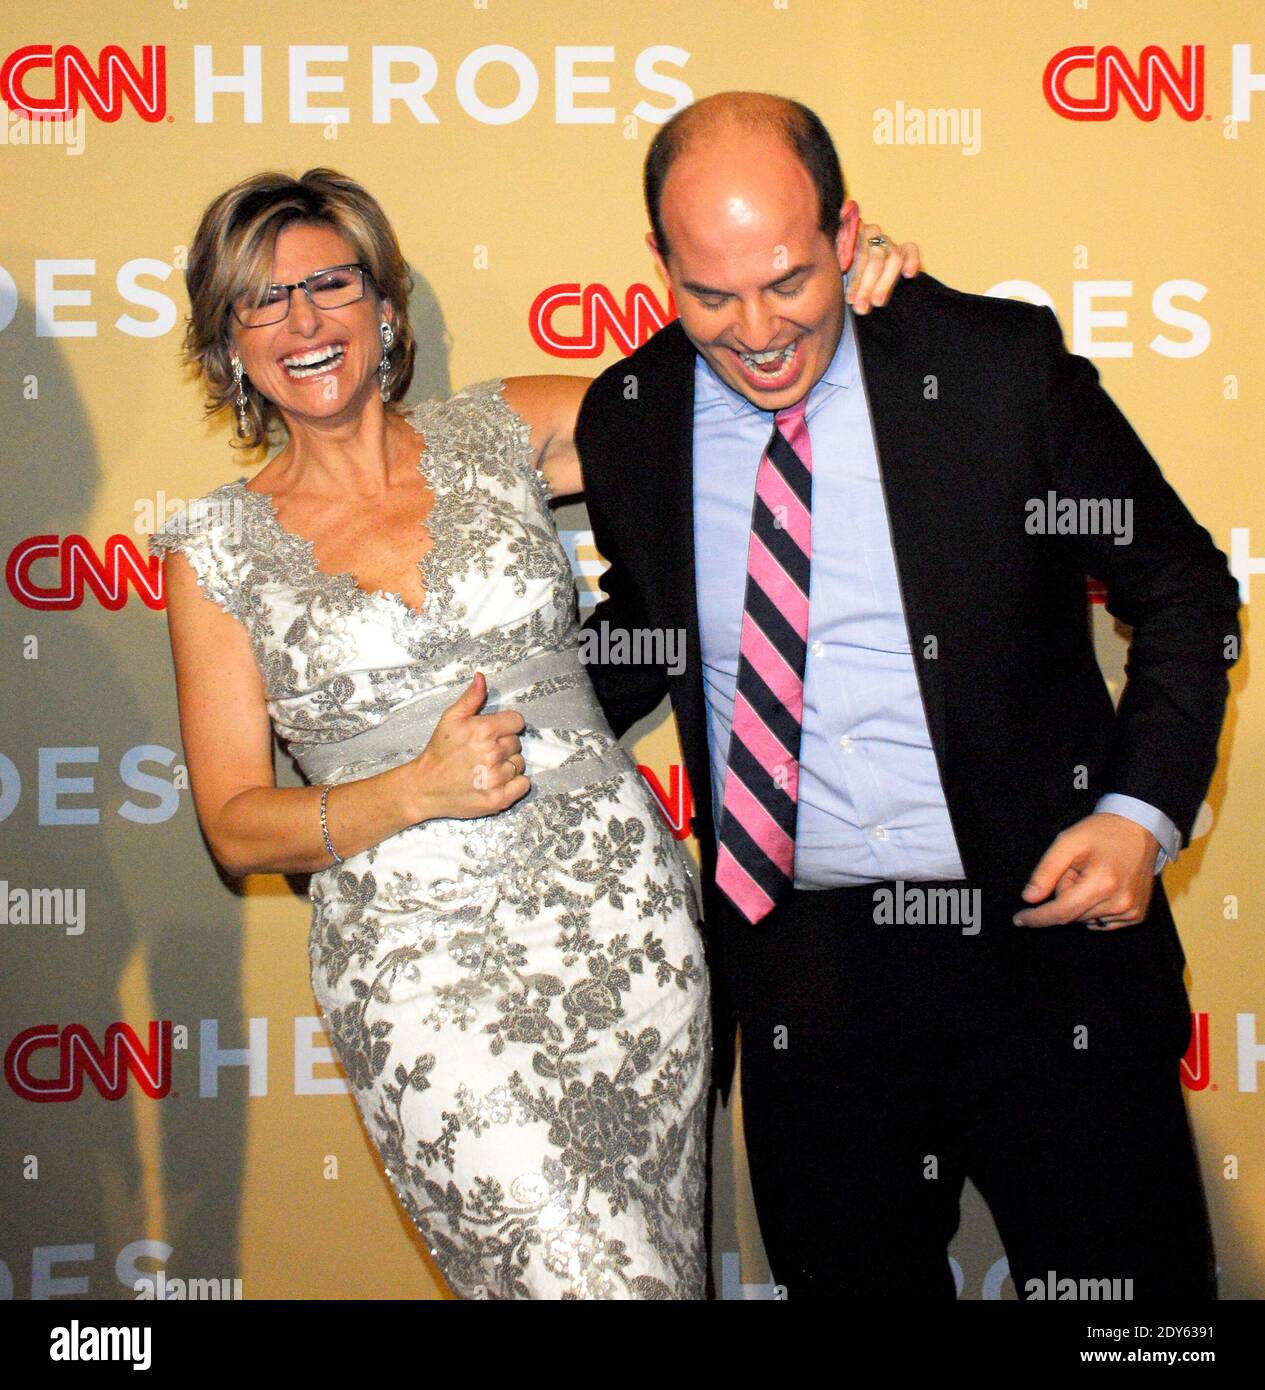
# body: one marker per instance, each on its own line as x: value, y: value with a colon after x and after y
x: 875, y: 269
x: 473, y: 764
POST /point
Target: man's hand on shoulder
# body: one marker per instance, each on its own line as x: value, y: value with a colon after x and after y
x: 1101, y: 871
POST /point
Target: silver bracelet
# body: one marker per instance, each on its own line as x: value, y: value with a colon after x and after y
x: 333, y: 853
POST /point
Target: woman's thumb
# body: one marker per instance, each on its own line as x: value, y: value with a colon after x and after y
x: 472, y: 696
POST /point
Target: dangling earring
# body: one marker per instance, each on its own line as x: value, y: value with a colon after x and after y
x: 384, y: 367
x: 240, y: 402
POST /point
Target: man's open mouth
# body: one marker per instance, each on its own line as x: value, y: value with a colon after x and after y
x: 771, y: 366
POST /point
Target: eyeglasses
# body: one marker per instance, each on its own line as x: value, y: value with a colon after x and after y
x: 332, y: 288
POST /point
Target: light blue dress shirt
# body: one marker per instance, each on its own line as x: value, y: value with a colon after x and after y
x: 871, y: 804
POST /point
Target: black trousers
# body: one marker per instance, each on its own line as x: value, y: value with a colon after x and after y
x: 883, y: 1063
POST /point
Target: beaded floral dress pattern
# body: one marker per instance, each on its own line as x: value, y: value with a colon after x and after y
x: 519, y: 1001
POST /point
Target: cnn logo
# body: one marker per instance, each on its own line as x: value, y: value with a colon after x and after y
x: 107, y: 1066
x: 1156, y: 79
x: 103, y: 88
x: 79, y: 569
x: 639, y: 317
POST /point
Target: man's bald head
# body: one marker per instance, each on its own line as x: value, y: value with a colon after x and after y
x: 725, y: 115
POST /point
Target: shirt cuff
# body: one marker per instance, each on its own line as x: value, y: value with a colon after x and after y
x: 1149, y: 818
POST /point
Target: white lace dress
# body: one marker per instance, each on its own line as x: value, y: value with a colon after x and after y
x: 519, y: 1001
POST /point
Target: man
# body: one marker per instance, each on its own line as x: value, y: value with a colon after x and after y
x: 928, y: 842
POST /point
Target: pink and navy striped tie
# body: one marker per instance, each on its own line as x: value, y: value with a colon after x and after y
x: 756, y: 855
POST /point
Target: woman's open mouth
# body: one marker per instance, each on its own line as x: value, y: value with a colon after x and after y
x: 318, y: 361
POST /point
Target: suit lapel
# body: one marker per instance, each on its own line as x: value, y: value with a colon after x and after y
x: 911, y: 474
x: 674, y: 426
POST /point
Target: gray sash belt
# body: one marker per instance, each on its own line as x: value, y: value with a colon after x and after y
x: 406, y: 733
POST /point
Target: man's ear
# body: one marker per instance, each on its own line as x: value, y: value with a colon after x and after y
x: 658, y: 257
x: 846, y: 236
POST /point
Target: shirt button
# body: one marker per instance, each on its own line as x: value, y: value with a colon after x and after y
x: 816, y: 649
x: 845, y: 743
x: 880, y: 832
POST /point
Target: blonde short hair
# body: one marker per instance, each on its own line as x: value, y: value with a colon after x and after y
x: 232, y: 254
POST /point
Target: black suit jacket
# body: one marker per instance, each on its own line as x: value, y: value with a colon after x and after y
x: 977, y: 408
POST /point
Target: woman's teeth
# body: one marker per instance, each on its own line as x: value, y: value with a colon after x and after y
x: 772, y: 362
x: 314, y: 363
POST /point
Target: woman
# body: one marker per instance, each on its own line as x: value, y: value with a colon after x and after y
x: 503, y: 941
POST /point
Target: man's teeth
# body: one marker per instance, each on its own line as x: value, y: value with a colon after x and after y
x: 782, y: 356
x: 310, y: 363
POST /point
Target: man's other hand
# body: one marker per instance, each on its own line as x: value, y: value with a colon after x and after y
x: 1101, y: 871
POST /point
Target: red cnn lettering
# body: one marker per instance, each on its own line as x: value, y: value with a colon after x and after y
x: 630, y: 324
x: 109, y: 578
x: 102, y: 89
x: 1155, y: 78
x: 676, y: 805
x: 78, y: 1055
x: 1196, y: 1070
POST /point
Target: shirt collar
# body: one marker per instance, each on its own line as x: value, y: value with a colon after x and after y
x: 842, y: 371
